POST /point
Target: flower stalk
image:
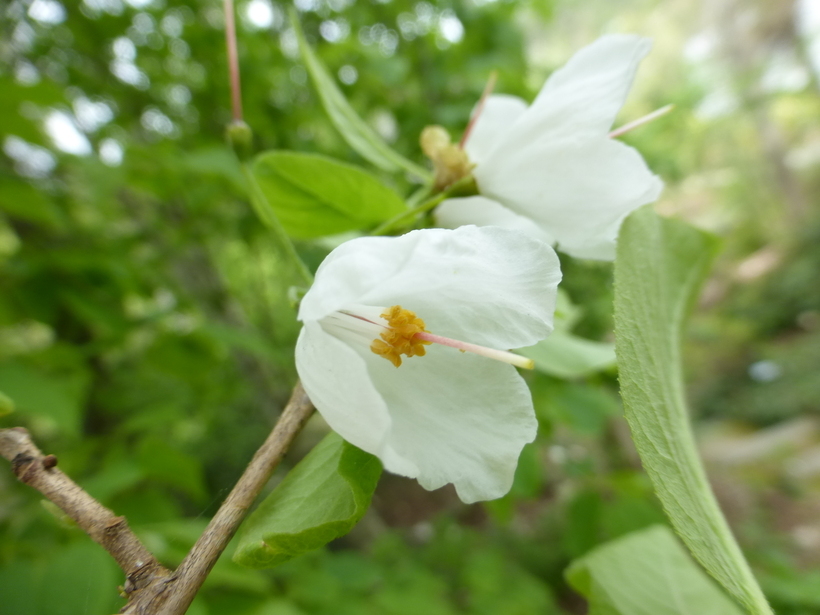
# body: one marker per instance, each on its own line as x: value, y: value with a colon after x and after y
x: 465, y: 185
x: 233, y: 61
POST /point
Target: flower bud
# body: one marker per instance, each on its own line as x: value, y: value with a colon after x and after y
x: 450, y: 162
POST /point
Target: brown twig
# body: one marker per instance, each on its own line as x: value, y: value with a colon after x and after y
x: 38, y: 471
x: 151, y: 588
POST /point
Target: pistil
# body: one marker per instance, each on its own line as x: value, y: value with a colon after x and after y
x: 640, y: 121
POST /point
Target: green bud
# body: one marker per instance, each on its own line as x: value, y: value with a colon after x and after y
x: 450, y: 161
x: 6, y: 404
x: 240, y: 138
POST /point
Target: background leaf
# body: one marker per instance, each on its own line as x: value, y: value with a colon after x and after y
x: 354, y: 129
x: 659, y: 266
x: 646, y: 573
x: 54, y: 400
x: 314, y: 195
x: 6, y: 404
x: 77, y: 579
x: 567, y: 356
x: 322, y: 498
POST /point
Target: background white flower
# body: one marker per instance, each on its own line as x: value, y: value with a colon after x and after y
x: 448, y: 416
x: 553, y: 163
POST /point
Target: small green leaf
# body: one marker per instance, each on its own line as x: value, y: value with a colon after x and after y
x: 314, y: 195
x: 567, y: 356
x: 62, y: 518
x: 6, y: 404
x: 353, y: 129
x: 567, y: 314
x: 161, y: 462
x: 54, y: 400
x: 659, y: 266
x: 322, y: 498
x: 646, y: 573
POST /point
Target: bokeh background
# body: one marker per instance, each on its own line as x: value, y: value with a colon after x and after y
x: 145, y: 331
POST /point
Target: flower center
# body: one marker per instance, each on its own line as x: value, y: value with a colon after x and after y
x: 400, y: 336
x: 401, y: 332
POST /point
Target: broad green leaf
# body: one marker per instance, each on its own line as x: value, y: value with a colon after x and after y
x: 659, y: 266
x: 314, y: 195
x: 567, y: 356
x: 646, y: 573
x: 322, y: 498
x: 358, y: 134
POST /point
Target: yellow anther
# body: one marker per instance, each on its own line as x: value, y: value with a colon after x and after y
x: 399, y: 338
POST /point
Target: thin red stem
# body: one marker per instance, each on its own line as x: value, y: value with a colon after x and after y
x: 233, y: 61
x: 488, y: 89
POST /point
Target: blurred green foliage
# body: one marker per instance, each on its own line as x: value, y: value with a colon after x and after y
x: 146, y: 330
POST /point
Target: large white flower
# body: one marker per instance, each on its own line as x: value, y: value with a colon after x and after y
x: 440, y: 413
x: 551, y: 169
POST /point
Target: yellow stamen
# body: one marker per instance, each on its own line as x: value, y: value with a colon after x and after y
x: 450, y: 161
x: 399, y: 338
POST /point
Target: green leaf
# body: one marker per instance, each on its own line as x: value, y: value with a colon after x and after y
x: 581, y: 407
x: 322, y: 498
x: 6, y: 404
x: 314, y: 195
x: 646, y: 573
x: 16, y: 97
x: 22, y: 201
x: 353, y: 129
x: 660, y: 264
x: 55, y: 401
x: 161, y: 462
x: 564, y: 355
x: 170, y: 542
x: 567, y: 356
x: 77, y: 579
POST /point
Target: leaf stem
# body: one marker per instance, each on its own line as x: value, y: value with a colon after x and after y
x: 460, y: 187
x: 266, y: 213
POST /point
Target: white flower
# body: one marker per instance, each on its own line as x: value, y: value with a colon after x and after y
x: 551, y: 169
x: 439, y: 414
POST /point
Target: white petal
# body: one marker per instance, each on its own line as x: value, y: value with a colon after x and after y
x: 586, y: 94
x: 336, y: 379
x: 456, y: 418
x: 579, y: 190
x: 482, y: 211
x: 581, y: 99
x: 497, y: 117
x: 488, y: 286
